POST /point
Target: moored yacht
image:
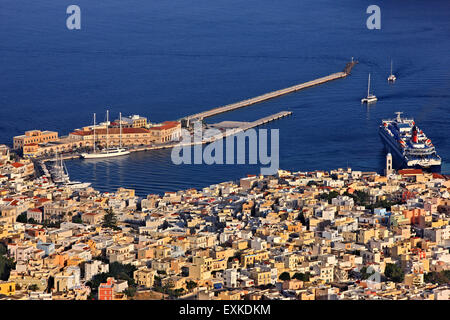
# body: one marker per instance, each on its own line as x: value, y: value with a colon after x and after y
x: 60, y: 176
x: 391, y: 77
x: 108, y: 152
x: 370, y: 97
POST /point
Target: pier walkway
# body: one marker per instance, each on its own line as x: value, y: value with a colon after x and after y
x: 273, y: 94
x: 245, y: 126
x: 267, y: 119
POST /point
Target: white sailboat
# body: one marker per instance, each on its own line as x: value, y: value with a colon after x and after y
x: 60, y: 176
x: 370, y: 97
x: 108, y: 152
x: 391, y: 78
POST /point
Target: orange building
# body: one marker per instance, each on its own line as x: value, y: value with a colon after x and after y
x: 34, y: 137
x: 414, y: 215
x: 167, y: 131
x: 106, y: 290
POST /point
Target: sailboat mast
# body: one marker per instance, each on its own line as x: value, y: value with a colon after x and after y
x: 107, y: 125
x: 94, y: 132
x: 391, y: 67
x: 120, y: 130
x: 368, y: 86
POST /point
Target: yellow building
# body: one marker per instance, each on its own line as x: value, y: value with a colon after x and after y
x: 34, y: 137
x: 161, y: 252
x: 230, y: 295
x: 400, y: 248
x: 240, y: 244
x: 7, y: 288
x: 365, y: 235
x: 144, y: 277
x: 414, y: 279
x: 260, y: 277
x: 199, y: 272
x: 251, y: 257
x: 174, y: 282
x: 224, y: 254
x: 134, y: 121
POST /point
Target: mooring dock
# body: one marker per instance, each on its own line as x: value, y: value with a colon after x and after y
x: 243, y: 127
x: 229, y: 107
x: 267, y: 119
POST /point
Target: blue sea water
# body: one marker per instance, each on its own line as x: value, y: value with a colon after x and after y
x: 168, y: 59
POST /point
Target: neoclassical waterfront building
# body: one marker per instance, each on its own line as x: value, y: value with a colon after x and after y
x: 37, y: 143
x: 162, y: 133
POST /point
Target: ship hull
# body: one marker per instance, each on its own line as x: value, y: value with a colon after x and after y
x: 399, y: 160
x: 100, y: 155
x: 369, y: 100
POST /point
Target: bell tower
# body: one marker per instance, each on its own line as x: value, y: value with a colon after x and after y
x: 388, y: 170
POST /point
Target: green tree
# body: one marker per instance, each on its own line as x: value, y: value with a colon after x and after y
x: 50, y: 284
x: 157, y: 282
x: 442, y: 277
x: 130, y: 291
x: 167, y: 288
x: 285, y: 276
x: 301, y: 276
x: 6, y: 264
x: 3, y: 250
x: 97, y: 279
x: 394, y: 272
x: 110, y: 220
x: 77, y: 219
x: 22, y: 217
x: 190, y: 285
x: 33, y: 287
x: 360, y: 197
x: 177, y: 292
x: 117, y: 271
x: 364, y: 274
x: 122, y: 271
x: 329, y: 196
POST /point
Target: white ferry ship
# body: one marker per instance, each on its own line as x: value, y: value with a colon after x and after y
x: 403, y: 138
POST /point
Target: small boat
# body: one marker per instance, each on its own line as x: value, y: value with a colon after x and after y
x: 370, y: 97
x: 391, y: 78
x: 108, y: 152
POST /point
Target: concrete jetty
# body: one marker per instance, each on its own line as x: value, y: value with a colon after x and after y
x: 244, y: 103
x: 244, y: 126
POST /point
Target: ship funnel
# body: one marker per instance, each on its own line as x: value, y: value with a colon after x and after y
x: 414, y: 135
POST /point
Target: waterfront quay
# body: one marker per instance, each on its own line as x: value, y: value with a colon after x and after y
x: 237, y: 127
